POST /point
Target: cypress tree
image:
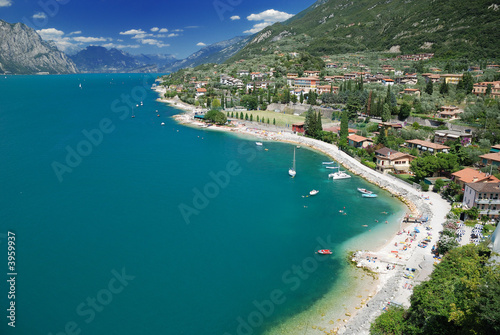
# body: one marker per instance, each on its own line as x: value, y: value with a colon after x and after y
x: 257, y: 118
x: 246, y: 116
x: 241, y: 115
x: 319, y: 125
x: 267, y: 120
x: 251, y: 117
x: 429, y: 89
x: 274, y: 121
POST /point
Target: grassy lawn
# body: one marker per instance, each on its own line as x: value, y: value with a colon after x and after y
x: 281, y: 119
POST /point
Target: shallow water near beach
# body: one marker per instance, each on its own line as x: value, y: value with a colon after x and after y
x: 126, y: 226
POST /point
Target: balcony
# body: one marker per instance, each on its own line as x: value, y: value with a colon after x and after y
x: 489, y: 212
x: 488, y: 201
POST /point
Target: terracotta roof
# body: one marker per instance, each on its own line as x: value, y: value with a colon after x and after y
x: 385, y: 151
x: 469, y: 175
x: 485, y: 187
x: 494, y: 156
x: 357, y: 138
x: 427, y: 144
x: 496, y: 146
x: 201, y: 90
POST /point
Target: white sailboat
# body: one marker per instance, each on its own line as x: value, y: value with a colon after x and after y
x: 339, y: 174
x: 292, y: 171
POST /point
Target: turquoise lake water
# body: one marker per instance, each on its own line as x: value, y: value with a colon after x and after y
x: 124, y: 226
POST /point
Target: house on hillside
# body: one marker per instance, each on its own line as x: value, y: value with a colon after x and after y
x: 451, y: 78
x: 358, y: 141
x: 388, y: 125
x: 426, y: 146
x: 470, y: 175
x: 306, y: 83
x: 443, y: 136
x: 200, y: 92
x: 491, y: 159
x: 290, y: 79
x: 480, y: 88
x: 495, y: 148
x: 336, y: 130
x: 389, y: 160
x: 449, y: 112
x: 311, y: 73
x: 388, y: 82
x: 411, y: 91
x: 483, y: 196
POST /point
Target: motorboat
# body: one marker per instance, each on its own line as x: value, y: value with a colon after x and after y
x: 364, y: 191
x: 328, y: 163
x: 292, y: 171
x: 369, y: 195
x: 313, y: 192
x: 258, y: 143
x: 339, y: 175
x: 324, y: 252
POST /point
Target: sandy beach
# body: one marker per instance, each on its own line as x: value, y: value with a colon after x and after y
x: 395, y: 268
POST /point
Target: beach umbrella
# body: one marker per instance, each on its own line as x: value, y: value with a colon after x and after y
x: 416, y: 230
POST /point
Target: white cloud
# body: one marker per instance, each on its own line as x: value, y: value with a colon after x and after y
x: 78, y: 32
x: 160, y: 35
x: 192, y: 27
x: 270, y: 15
x: 235, y: 17
x: 141, y: 36
x: 50, y: 33
x: 163, y: 30
x: 258, y: 27
x: 83, y: 39
x: 40, y: 15
x: 172, y: 35
x: 201, y: 44
x: 131, y: 31
x: 178, y: 30
x: 152, y: 41
x: 5, y: 3
x: 155, y: 29
x: 120, y: 46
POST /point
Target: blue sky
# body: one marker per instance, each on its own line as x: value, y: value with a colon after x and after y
x: 147, y: 26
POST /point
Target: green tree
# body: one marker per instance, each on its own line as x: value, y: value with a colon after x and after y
x: 216, y: 103
x: 386, y: 113
x: 274, y: 121
x: 391, y: 322
x: 301, y: 97
x: 250, y: 102
x: 257, y: 118
x: 438, y: 184
x: 344, y: 129
x: 429, y: 88
x: 444, y: 88
x: 311, y: 123
x: 216, y: 116
x: 251, y: 117
x: 311, y: 98
x: 354, y: 106
x: 404, y: 111
x: 319, y: 124
x: 246, y: 116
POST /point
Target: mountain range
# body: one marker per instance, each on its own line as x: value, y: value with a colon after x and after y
x: 447, y: 28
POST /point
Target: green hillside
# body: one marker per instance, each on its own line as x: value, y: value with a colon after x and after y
x: 447, y: 28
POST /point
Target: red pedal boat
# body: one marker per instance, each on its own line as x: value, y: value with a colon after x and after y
x: 324, y: 252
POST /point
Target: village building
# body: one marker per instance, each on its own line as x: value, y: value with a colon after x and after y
x: 298, y: 127
x: 491, y: 159
x: 481, y: 88
x: 411, y: 91
x: 451, y: 78
x: 359, y: 141
x: 306, y: 83
x: 426, y: 146
x: 443, y: 136
x: 483, y: 196
x: 470, y: 175
x: 449, y: 112
x: 389, y: 160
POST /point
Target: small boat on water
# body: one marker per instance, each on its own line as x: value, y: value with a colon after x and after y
x: 369, y: 195
x: 364, y: 191
x: 163, y: 123
x: 339, y: 175
x: 313, y: 192
x: 328, y: 163
x: 332, y: 167
x: 292, y: 171
x: 258, y: 143
x: 324, y: 252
